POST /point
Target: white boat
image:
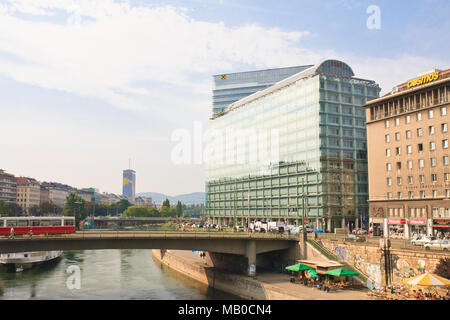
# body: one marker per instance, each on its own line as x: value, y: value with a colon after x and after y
x: 19, y: 261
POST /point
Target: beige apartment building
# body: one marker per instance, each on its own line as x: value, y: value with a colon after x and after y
x: 408, y: 157
x: 58, y: 197
x: 28, y: 193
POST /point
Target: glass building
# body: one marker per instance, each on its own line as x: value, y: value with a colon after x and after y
x: 229, y: 88
x: 129, y: 184
x: 303, y: 138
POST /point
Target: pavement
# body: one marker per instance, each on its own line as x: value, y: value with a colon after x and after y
x: 281, y: 283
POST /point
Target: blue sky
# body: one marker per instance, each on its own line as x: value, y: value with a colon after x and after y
x: 86, y: 85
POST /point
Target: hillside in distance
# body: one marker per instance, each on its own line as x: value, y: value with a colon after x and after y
x: 190, y: 198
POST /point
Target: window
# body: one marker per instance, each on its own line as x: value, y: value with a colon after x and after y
x: 445, y: 159
x: 419, y: 132
x: 443, y: 111
x: 419, y: 116
x: 410, y: 164
x: 444, y: 127
x: 397, y: 122
x: 386, y: 123
x: 420, y: 147
x: 399, y: 165
x: 421, y: 163
x: 411, y: 194
x: 408, y: 119
x: 422, y: 194
x: 447, y: 193
x: 433, y: 162
x: 388, y: 152
x: 410, y: 179
x: 422, y: 178
x: 387, y: 138
x: 446, y: 176
x: 445, y: 143
x: 388, y: 167
x: 434, y: 177
x: 397, y: 136
x: 389, y: 195
x: 398, y: 151
x: 430, y: 114
x: 400, y: 195
x: 409, y: 149
x: 399, y: 181
x: 434, y: 192
x: 408, y: 134
x: 432, y: 145
x: 389, y: 181
x: 431, y: 129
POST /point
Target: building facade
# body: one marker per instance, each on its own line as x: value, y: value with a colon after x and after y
x: 313, y: 125
x: 144, y: 202
x: 28, y: 193
x: 229, y: 88
x: 409, y: 169
x: 129, y: 185
x: 58, y: 196
x: 8, y: 187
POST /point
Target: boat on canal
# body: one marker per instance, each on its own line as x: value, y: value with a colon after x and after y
x: 17, y: 262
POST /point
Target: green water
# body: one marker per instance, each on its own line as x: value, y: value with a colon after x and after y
x: 104, y: 275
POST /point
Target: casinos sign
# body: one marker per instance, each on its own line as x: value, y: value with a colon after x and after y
x: 424, y: 79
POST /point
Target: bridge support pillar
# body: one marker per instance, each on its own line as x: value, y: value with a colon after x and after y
x: 251, y: 256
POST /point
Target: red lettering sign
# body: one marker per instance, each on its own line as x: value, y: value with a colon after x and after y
x: 417, y: 221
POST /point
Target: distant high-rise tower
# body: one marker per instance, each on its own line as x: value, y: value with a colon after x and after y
x: 129, y: 184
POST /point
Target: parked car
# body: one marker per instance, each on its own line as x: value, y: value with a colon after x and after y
x: 421, y: 241
x: 359, y: 231
x: 438, y: 244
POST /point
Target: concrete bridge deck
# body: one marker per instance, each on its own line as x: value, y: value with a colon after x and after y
x: 220, y: 242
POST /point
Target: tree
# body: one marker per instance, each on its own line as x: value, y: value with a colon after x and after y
x: 48, y: 208
x: 35, y: 211
x: 443, y: 268
x: 179, y: 209
x: 166, y: 203
x: 141, y: 212
x: 75, y: 207
x: 123, y: 205
x: 8, y: 209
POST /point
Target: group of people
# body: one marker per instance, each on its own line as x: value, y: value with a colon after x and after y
x: 401, y: 292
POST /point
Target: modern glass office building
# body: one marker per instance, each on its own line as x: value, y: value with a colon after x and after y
x: 129, y: 184
x: 303, y: 137
x: 229, y: 88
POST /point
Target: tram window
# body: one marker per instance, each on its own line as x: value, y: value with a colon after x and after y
x: 68, y: 222
x: 11, y: 223
x: 56, y: 223
x: 35, y: 223
x: 22, y: 223
x: 45, y: 223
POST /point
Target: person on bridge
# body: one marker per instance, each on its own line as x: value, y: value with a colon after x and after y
x: 30, y: 233
x: 11, y: 235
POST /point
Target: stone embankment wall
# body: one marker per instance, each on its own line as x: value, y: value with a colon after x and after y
x: 241, y: 286
x: 370, y: 260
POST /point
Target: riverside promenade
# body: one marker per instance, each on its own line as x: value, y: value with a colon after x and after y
x: 265, y: 286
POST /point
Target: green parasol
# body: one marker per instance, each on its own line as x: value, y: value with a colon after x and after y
x: 299, y: 267
x: 312, y: 273
x: 341, y: 272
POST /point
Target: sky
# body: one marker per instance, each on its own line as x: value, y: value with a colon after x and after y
x: 87, y: 85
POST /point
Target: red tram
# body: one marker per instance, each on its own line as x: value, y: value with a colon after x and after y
x: 38, y: 225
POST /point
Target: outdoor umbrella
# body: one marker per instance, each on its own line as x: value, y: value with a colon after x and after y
x: 312, y: 273
x: 427, y: 280
x: 341, y: 272
x: 299, y: 267
x: 318, y: 230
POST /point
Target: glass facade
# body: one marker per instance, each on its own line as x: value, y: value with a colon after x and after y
x: 129, y: 185
x: 229, y: 88
x: 303, y: 135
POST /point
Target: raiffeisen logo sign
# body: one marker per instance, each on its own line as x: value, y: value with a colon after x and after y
x: 424, y: 79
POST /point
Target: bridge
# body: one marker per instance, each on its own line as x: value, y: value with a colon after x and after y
x: 223, y: 243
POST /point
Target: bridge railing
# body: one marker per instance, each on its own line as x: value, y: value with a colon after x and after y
x: 103, y: 234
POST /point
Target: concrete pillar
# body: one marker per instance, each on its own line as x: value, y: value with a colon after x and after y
x: 251, y: 256
x: 343, y: 222
x: 357, y: 222
x: 406, y: 227
x: 329, y: 225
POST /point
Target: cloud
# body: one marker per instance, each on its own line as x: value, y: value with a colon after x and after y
x: 105, y: 47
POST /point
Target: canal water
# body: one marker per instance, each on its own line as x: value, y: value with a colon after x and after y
x: 105, y: 275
